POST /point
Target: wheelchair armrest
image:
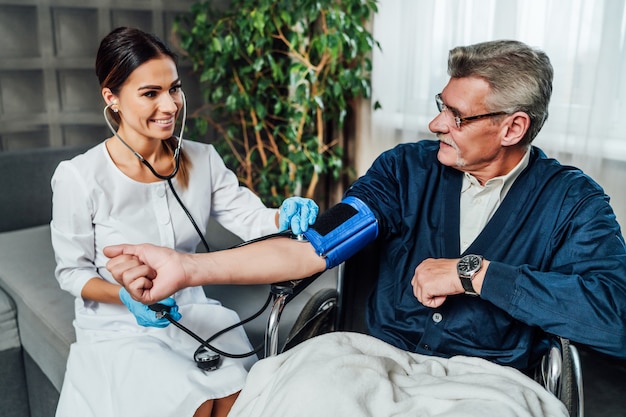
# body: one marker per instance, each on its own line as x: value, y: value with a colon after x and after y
x: 290, y: 289
x: 282, y: 293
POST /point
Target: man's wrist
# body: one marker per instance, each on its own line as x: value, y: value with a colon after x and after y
x: 471, y: 272
x: 479, y: 277
x: 193, y: 270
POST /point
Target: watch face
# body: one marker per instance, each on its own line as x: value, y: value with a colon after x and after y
x: 469, y: 263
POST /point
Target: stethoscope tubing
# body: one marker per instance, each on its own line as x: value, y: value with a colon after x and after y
x: 140, y: 157
x: 161, y: 309
x: 169, y: 177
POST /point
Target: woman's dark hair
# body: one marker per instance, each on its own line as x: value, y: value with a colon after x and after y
x: 122, y: 51
x: 119, y: 54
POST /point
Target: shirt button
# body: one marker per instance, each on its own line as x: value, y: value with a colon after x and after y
x: 437, y: 317
x: 426, y: 347
x: 160, y: 191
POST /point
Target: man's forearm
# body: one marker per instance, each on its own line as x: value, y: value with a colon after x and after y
x: 151, y: 273
x: 274, y: 260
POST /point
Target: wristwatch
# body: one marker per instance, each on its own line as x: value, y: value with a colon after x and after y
x: 467, y: 267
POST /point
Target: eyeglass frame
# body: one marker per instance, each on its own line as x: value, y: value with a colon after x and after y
x: 458, y: 120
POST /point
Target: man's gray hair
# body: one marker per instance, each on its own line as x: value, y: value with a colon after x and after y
x: 520, y: 78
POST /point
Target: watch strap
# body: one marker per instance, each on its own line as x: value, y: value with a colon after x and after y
x: 467, y: 286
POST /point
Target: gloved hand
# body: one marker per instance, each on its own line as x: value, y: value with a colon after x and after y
x: 146, y: 317
x: 298, y: 214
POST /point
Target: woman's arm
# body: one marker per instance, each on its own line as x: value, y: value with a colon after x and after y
x: 97, y: 289
x: 73, y: 238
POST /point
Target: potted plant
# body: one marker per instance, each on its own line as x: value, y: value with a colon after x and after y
x: 278, y: 78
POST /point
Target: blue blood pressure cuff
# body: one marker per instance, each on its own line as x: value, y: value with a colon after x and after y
x: 342, y: 231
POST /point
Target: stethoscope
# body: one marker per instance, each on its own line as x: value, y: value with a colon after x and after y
x: 138, y: 155
x: 207, y: 356
x: 169, y: 177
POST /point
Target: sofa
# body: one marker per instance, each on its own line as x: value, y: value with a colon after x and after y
x: 36, y: 316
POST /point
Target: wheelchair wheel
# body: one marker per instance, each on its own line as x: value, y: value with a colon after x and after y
x: 317, y: 317
x: 565, y: 366
x: 567, y: 382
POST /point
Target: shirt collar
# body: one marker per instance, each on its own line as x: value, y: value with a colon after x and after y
x: 504, y: 181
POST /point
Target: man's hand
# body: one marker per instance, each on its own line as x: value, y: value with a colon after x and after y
x: 149, y: 273
x: 435, y: 279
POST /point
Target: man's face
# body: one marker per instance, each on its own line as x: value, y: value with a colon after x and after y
x: 476, y: 144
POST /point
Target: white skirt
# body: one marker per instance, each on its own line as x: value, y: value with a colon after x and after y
x: 152, y: 373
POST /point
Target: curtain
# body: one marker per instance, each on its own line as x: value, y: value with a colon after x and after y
x: 586, y: 43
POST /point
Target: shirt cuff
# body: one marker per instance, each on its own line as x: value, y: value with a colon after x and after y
x: 499, y: 285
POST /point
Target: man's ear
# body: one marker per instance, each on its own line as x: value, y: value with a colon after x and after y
x: 516, y: 128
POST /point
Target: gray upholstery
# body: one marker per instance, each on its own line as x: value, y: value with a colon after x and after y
x: 14, y: 398
x: 8, y: 324
x: 26, y: 197
x: 45, y: 311
x: 40, y: 310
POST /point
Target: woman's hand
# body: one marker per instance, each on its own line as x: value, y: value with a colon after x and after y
x: 297, y: 214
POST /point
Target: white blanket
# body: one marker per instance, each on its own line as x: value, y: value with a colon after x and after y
x: 349, y: 374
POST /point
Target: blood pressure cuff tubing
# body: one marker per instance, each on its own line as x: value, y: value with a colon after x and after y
x: 342, y: 231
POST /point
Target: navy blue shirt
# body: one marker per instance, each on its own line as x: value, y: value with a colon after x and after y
x: 558, y: 260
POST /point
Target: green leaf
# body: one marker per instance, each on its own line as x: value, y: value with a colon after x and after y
x: 217, y: 44
x: 278, y: 60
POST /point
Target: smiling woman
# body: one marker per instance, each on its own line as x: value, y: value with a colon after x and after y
x: 144, y: 100
x: 144, y: 184
x: 149, y: 99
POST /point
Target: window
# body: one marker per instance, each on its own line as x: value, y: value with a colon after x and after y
x: 585, y: 40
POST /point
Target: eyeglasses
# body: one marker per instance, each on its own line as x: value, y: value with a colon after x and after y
x: 458, y: 120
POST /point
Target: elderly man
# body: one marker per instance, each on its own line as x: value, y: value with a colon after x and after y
x: 488, y: 247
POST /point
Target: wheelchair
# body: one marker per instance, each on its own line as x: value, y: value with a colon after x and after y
x: 328, y: 310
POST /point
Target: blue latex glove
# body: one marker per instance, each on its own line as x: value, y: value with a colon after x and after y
x: 298, y: 214
x: 146, y: 317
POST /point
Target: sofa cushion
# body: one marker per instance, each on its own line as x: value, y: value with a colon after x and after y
x: 8, y: 324
x: 26, y: 198
x: 14, y: 397
x: 44, y: 311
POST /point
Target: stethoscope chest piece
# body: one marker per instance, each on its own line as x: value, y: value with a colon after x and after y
x: 207, y: 360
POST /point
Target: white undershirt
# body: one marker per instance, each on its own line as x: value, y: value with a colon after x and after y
x: 480, y: 202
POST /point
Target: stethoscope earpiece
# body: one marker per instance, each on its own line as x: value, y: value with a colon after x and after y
x: 141, y: 158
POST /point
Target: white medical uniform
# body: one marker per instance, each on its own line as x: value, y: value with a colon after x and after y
x: 116, y: 367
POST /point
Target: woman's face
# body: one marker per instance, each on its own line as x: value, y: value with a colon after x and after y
x: 149, y: 101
